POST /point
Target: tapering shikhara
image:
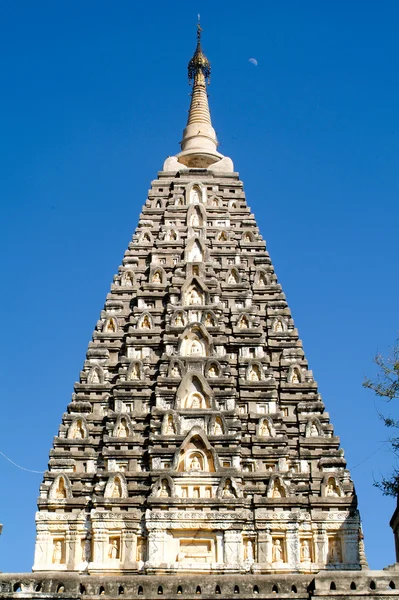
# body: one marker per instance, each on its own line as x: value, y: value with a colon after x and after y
x: 196, y: 439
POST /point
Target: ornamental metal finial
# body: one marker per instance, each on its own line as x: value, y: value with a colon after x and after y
x: 199, y: 64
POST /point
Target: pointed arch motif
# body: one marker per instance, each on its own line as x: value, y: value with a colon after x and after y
x: 217, y: 425
x: 222, y: 236
x: 233, y: 276
x: 261, y: 278
x: 276, y: 488
x: 60, y: 489
x: 116, y: 487
x: 123, y: 427
x: 265, y: 427
x: 255, y: 372
x: 196, y: 216
x: 248, y: 237
x: 157, y: 276
x: 111, y: 325
x: 146, y: 237
x: 194, y: 292
x: 170, y: 424
x: 213, y: 369
x: 176, y: 369
x: 194, y: 393
x: 279, y: 325
x: 164, y: 487
x: 95, y: 375
x: 195, y: 342
x: 195, y: 251
x: 295, y: 374
x: 179, y: 318
x: 196, y: 193
x: 313, y: 428
x: 331, y: 486
x: 196, y: 453
x: 78, y: 429
x: 145, y: 321
x: 244, y: 321
x: 135, y: 370
x: 209, y: 319
x: 171, y: 235
x: 228, y: 488
x: 128, y: 279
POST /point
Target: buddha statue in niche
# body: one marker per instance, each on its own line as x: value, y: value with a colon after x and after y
x: 277, y: 551
x: 116, y: 489
x: 164, y: 491
x: 113, y: 549
x: 304, y: 553
x: 195, y: 464
x: 195, y: 297
x: 217, y: 430
x: 57, y: 553
x: 156, y: 278
x: 212, y: 372
x: 146, y: 323
x: 313, y: 432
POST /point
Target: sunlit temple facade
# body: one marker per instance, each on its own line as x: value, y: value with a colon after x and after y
x: 196, y: 442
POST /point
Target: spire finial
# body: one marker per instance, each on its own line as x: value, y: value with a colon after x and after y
x: 199, y: 66
x: 199, y: 143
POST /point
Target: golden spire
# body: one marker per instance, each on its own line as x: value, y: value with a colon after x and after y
x: 199, y: 144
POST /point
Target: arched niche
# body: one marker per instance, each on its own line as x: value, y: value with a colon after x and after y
x: 222, y: 236
x: 265, y: 427
x: 78, y: 429
x: 158, y: 204
x: 331, y: 487
x: 128, y: 279
x: 244, y: 321
x: 194, y: 292
x: 95, y: 375
x: 254, y: 372
x: 146, y: 237
x: 276, y: 488
x: 194, y: 342
x: 214, y: 201
x: 145, y: 321
x: 196, y: 193
x: 261, y: 278
x: 279, y: 325
x: 111, y: 325
x: 123, y: 427
x: 179, y: 318
x: 196, y: 216
x: 195, y: 251
x: 135, y: 371
x: 60, y: 489
x: 116, y: 487
x: 313, y: 428
x: 228, y: 488
x: 194, y: 393
x: 233, y: 276
x: 170, y: 424
x: 295, y: 374
x: 217, y: 425
x: 248, y: 237
x: 209, y: 319
x: 171, y: 235
x: 196, y: 454
x: 157, y: 276
x: 164, y: 487
x: 212, y: 369
x: 176, y: 369
x: 233, y: 204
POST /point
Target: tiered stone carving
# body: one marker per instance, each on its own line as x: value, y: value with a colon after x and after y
x: 196, y: 439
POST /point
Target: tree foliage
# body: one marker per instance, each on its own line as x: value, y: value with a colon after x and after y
x: 386, y: 386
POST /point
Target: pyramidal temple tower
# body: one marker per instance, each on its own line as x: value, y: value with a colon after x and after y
x: 196, y: 440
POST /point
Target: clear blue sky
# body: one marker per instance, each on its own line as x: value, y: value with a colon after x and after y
x: 94, y: 98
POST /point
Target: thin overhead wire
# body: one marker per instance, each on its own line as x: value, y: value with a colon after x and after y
x: 19, y: 466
